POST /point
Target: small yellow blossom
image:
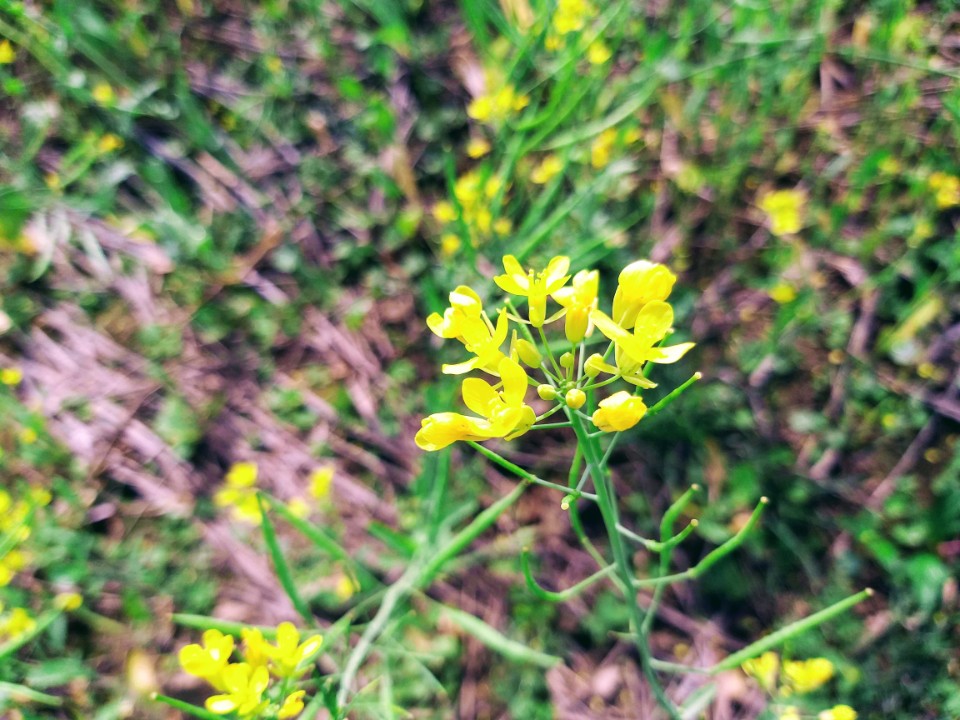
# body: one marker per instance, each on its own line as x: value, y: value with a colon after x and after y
x: 208, y: 660
x: 28, y: 436
x: 789, y: 713
x: 503, y: 414
x: 579, y: 299
x: 598, y: 53
x: 764, y: 670
x: 321, y: 481
x: 11, y: 376
x: 52, y: 180
x: 444, y: 212
x: 621, y: 411
x: 7, y: 53
x: 803, y: 676
x: 240, y: 494
x: 68, y: 601
x: 653, y: 322
x: 345, y: 588
x: 533, y: 285
x: 103, y: 94
x: 784, y: 208
x: 16, y: 624
x: 640, y: 282
x: 838, y: 712
x: 477, y: 147
x: 243, y: 688
x: 497, y: 107
x: 946, y: 189
x: 298, y: 507
x: 449, y: 244
x: 783, y: 293
x: 109, y: 142
x: 602, y: 148
x: 287, y: 656
x: 502, y: 226
x: 10, y: 565
x: 549, y: 168
x: 255, y: 649
x: 292, y: 705
x: 274, y: 64
x: 571, y: 16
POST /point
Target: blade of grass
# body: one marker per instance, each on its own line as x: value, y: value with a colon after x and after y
x: 280, y: 563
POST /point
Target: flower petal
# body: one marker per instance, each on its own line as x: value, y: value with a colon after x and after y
x: 479, y: 396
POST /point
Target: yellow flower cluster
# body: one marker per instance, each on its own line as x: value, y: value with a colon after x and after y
x: 784, y: 209
x: 239, y: 492
x: 496, y: 107
x: 795, y: 677
x: 15, y: 528
x: 946, y: 189
x: 244, y: 687
x: 474, y: 194
x: 15, y: 624
x: 641, y: 319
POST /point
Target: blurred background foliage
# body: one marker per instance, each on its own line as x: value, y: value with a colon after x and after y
x: 219, y: 234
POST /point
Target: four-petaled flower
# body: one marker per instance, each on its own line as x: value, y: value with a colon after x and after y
x: 640, y: 282
x: 243, y: 688
x: 634, y: 349
x: 619, y: 412
x: 289, y: 654
x: 209, y: 660
x: 503, y: 413
x: 533, y: 285
x: 784, y: 208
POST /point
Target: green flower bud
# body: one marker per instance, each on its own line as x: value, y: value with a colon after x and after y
x: 566, y: 360
x: 593, y: 366
x: 527, y: 352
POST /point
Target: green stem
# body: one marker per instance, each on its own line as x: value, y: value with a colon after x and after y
x: 530, y: 477
x: 606, y: 499
x: 551, y: 596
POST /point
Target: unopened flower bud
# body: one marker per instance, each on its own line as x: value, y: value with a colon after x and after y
x: 593, y: 366
x: 527, y: 352
x: 547, y: 392
x: 566, y: 360
x: 576, y: 398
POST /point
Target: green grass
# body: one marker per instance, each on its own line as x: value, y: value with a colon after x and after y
x: 282, y: 158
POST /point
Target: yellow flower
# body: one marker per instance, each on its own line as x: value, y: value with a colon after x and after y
x: 763, y: 669
x: 535, y: 286
x: 783, y: 293
x: 28, y: 436
x: 7, y: 53
x: 803, y: 676
x: 502, y: 413
x: 109, y: 142
x: 345, y: 588
x: 465, y: 309
x: 838, y: 712
x: 601, y: 148
x: 653, y: 322
x: 548, y: 169
x: 243, y: 687
x: 68, y: 601
x: 639, y: 283
x: 10, y: 565
x: 17, y: 623
x: 292, y: 705
x: 449, y: 244
x: 477, y: 147
x: 571, y: 16
x: 497, y: 107
x: 621, y: 411
x: 298, y: 507
x: 444, y: 212
x: 784, y: 208
x: 575, y: 398
x: 208, y: 660
x: 502, y: 226
x: 103, y: 94
x: 598, y: 53
x: 789, y: 713
x: 289, y: 653
x: 256, y: 650
x: 320, y: 481
x: 11, y: 376
x: 946, y: 189
x: 525, y: 351
x: 579, y: 300
x: 239, y: 493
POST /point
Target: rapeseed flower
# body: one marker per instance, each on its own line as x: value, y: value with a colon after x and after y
x: 633, y: 350
x: 549, y: 168
x: 477, y: 147
x: 571, y: 16
x: 784, y: 209
x: 619, y: 412
x: 640, y: 282
x: 946, y: 189
x: 288, y: 656
x: 496, y: 107
x: 11, y: 376
x: 292, y: 705
x: 321, y: 480
x: 533, y: 285
x: 243, y: 688
x: 208, y: 661
x: 764, y: 670
x: 838, y: 712
x: 803, y: 676
x: 15, y: 624
x: 578, y: 300
x: 598, y: 53
x: 240, y: 494
x: 602, y: 148
x: 502, y: 413
x: 7, y: 53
